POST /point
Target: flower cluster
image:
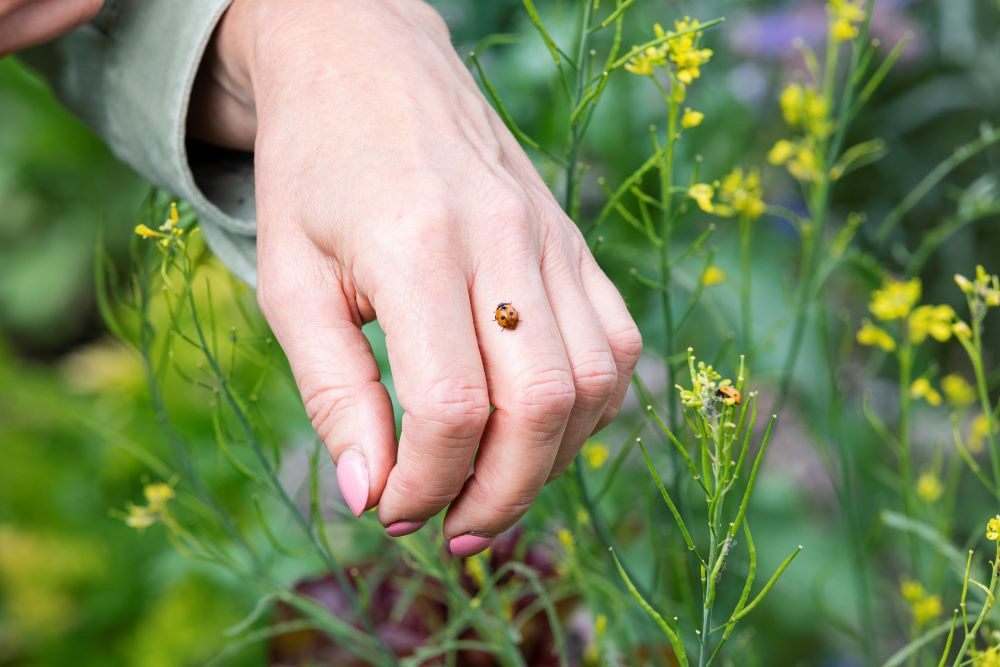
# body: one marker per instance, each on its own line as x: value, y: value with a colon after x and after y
x: 993, y: 529
x: 707, y: 387
x: 169, y: 232
x: 845, y: 15
x: 143, y: 516
x: 739, y: 194
x: 923, y: 606
x: 982, y: 293
x: 929, y: 487
x: 807, y: 112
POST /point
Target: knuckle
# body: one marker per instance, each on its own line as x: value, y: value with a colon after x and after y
x: 324, y: 405
x: 424, y: 495
x: 595, y: 376
x: 626, y: 344
x: 508, y: 502
x: 461, y: 405
x: 546, y: 395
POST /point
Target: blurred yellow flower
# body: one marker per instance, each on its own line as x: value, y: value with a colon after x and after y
x: 702, y: 194
x: 957, y: 390
x: 146, y: 233
x: 929, y: 487
x: 804, y: 164
x: 978, y: 430
x: 803, y: 107
x: 781, y: 152
x: 476, y: 569
x: 713, y: 276
x: 921, y: 388
x: 691, y: 118
x: 961, y: 330
x: 869, y: 334
x: 988, y: 658
x: 993, y: 529
x: 845, y: 14
x: 933, y: 320
x: 158, y: 495
x: 923, y: 606
x: 596, y: 454
x: 895, y: 300
x: 139, y: 517
x: 741, y: 194
x: 984, y: 290
x: 683, y: 51
x: 566, y: 540
x: 646, y: 62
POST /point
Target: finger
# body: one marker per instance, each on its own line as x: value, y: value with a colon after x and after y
x: 305, y: 303
x: 595, y: 372
x: 532, y: 390
x: 23, y: 25
x: 425, y: 313
x: 619, y: 328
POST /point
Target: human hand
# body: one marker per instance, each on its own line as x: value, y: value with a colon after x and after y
x: 388, y: 187
x: 24, y: 23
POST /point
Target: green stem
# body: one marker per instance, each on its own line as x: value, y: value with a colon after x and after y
x: 905, y: 460
x: 745, y: 260
x: 984, y: 397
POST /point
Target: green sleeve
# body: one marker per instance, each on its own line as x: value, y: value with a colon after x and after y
x: 128, y: 75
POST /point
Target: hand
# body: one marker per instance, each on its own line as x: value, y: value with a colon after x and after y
x: 24, y: 23
x: 387, y: 187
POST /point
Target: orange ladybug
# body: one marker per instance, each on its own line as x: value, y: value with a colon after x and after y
x: 506, y: 316
x: 729, y: 395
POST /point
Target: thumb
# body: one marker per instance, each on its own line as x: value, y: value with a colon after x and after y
x: 337, y: 376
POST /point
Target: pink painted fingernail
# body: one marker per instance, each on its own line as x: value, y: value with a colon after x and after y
x: 352, y: 478
x: 401, y: 528
x: 468, y: 544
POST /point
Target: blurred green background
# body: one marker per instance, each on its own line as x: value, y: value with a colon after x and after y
x: 78, y: 587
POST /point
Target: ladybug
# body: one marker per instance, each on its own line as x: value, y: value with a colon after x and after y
x: 506, y: 316
x: 729, y: 395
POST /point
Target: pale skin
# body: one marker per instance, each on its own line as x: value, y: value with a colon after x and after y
x: 388, y: 188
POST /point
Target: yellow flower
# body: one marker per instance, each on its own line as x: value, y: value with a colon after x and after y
x: 926, y: 610
x: 845, y: 14
x: 158, y: 495
x: 988, y: 658
x: 979, y: 429
x: 869, y: 334
x: 792, y: 100
x: 985, y: 290
x: 139, y: 517
x: 684, y: 52
x: 921, y: 388
x: 957, y: 390
x: 476, y: 569
x: 691, y: 118
x: 933, y: 320
x: 741, y: 194
x: 929, y: 487
x: 646, y: 62
x: 566, y: 540
x: 961, y: 330
x: 913, y: 591
x: 596, y: 454
x: 895, y: 300
x: 146, y: 233
x: 804, y: 164
x: 781, y: 152
x: 713, y: 276
x: 803, y: 107
x: 964, y: 284
x: 702, y: 194
x: 993, y: 529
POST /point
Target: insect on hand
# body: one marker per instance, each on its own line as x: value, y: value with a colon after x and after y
x: 729, y: 395
x: 506, y: 316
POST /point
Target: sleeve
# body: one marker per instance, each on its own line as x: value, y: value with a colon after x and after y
x: 128, y: 75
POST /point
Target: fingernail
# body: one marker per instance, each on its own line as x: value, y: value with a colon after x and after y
x: 401, y: 528
x: 352, y: 478
x: 468, y: 544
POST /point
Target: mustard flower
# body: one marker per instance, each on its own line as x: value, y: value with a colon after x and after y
x: 684, y: 52
x: 988, y: 658
x: 741, y: 194
x: 691, y: 118
x: 921, y: 388
x: 929, y: 487
x: 146, y: 233
x: 803, y: 107
x: 702, y: 194
x: 895, y: 300
x: 961, y: 330
x: 933, y: 320
x: 993, y: 529
x: 596, y: 454
x: 712, y: 276
x: 983, y: 292
x: 845, y: 16
x: 979, y: 429
x: 957, y: 390
x: 869, y: 334
x: 646, y: 62
x: 476, y: 570
x: 923, y: 606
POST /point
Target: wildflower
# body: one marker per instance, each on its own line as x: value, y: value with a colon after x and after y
x: 791, y: 100
x: 804, y: 164
x: 702, y: 194
x: 146, y: 233
x: 158, y: 495
x: 933, y: 320
x: 683, y: 51
x: 712, y: 276
x: 978, y: 430
x: 912, y: 591
x: 993, y: 529
x: 566, y: 540
x: 929, y: 487
x: 646, y: 62
x: 846, y: 14
x: 961, y: 330
x: 923, y: 606
x: 477, y: 571
x: 957, y: 390
x: 869, y: 334
x: 741, y: 194
x: 596, y: 454
x: 705, y: 383
x: 781, y: 152
x: 988, y: 658
x: 983, y: 292
x: 803, y: 107
x: 139, y: 517
x: 921, y: 388
x: 691, y: 118
x: 895, y: 300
